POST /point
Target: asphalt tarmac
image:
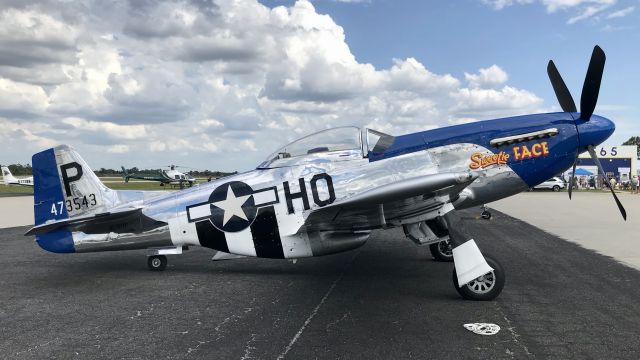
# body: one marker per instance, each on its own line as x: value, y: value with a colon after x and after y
x: 591, y: 219
x: 386, y: 300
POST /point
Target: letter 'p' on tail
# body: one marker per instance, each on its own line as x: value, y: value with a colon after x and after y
x: 65, y: 188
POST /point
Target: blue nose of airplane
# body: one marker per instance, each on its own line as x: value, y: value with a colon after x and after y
x: 595, y: 131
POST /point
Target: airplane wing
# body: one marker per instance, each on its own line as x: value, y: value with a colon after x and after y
x: 124, y: 220
x: 390, y: 202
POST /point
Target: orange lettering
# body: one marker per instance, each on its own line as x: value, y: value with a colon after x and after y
x: 545, y: 149
x: 480, y: 161
x: 536, y: 150
x: 502, y: 158
x: 516, y: 153
x: 526, y: 154
x: 476, y: 161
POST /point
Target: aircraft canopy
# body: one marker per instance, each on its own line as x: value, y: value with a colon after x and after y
x: 336, y: 139
x: 336, y: 144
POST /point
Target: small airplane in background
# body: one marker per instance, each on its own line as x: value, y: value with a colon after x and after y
x: 326, y: 192
x: 9, y: 179
x: 171, y: 176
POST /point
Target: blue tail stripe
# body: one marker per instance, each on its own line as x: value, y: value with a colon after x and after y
x: 60, y: 241
x: 49, y: 203
x: 47, y: 190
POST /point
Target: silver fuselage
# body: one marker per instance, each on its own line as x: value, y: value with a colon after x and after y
x: 351, y: 173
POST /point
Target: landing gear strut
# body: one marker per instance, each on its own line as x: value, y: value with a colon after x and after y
x: 484, y: 288
x: 157, y: 262
x: 482, y: 278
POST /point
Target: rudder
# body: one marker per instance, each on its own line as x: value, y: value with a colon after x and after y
x: 65, y: 187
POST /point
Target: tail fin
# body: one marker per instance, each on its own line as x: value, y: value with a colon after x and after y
x: 65, y: 187
x: 7, y: 177
x: 125, y: 175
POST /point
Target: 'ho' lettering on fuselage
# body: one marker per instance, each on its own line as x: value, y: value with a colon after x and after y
x: 302, y: 194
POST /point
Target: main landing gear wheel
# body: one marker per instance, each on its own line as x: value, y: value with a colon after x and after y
x: 157, y: 262
x: 484, y: 288
x: 486, y: 215
x: 442, y: 251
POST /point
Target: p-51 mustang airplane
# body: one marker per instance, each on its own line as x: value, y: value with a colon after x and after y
x: 324, y: 193
x: 9, y: 179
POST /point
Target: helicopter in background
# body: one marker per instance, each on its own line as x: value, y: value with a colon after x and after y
x: 171, y: 177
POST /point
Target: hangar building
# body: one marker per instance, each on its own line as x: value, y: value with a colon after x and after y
x: 619, y: 161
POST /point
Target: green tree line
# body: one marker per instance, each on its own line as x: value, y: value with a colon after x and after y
x: 20, y: 170
x: 151, y: 172
x: 26, y: 170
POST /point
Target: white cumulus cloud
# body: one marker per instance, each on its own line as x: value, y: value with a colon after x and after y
x: 487, y: 77
x: 216, y: 84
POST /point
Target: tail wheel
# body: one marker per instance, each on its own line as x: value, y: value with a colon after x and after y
x: 484, y: 288
x: 486, y: 215
x: 442, y: 251
x: 157, y: 262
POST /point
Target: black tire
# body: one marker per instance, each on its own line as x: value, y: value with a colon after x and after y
x: 556, y: 188
x: 486, y: 215
x: 442, y: 251
x: 157, y: 262
x: 477, y: 290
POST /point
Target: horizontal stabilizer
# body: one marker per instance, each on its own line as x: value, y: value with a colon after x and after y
x: 121, y: 221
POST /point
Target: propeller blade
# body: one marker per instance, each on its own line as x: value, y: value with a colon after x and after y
x: 601, y: 170
x: 591, y: 86
x: 573, y: 174
x: 560, y: 88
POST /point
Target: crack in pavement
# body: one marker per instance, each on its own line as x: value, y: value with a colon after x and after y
x: 513, y: 333
x: 315, y: 310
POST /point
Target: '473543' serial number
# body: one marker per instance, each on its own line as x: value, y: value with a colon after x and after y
x: 75, y: 204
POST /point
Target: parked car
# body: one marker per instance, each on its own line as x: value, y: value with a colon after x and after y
x: 555, y: 184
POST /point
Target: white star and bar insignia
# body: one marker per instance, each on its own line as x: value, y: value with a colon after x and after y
x: 232, y: 206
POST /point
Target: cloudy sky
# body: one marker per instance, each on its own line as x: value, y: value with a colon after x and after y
x: 221, y: 84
